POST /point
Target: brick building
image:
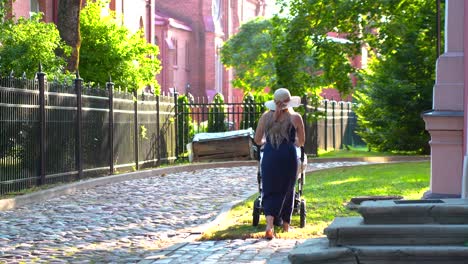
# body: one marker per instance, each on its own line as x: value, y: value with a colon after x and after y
x: 189, y: 34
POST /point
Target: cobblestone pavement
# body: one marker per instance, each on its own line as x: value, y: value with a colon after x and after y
x: 140, y: 221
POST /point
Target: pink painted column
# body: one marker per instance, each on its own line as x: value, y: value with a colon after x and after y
x: 465, y: 103
x: 445, y: 122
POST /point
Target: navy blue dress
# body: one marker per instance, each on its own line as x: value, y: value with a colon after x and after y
x: 279, y: 173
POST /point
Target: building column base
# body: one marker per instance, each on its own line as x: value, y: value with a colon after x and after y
x: 446, y: 130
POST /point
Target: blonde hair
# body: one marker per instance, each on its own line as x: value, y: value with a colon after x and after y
x: 277, y: 130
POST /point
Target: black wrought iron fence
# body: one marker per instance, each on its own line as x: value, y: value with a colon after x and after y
x: 329, y: 125
x: 337, y: 126
x: 58, y: 132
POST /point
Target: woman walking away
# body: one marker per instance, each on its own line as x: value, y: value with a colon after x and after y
x: 280, y: 130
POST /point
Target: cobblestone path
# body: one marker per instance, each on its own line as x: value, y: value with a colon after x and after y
x: 139, y: 221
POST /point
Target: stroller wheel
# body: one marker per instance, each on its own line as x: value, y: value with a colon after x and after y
x: 256, y: 212
x: 303, y: 213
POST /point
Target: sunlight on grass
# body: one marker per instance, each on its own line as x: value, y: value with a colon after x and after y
x: 326, y: 193
x: 355, y: 152
x: 344, y: 181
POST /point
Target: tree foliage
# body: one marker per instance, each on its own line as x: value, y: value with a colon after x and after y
x: 185, y: 127
x: 217, y: 115
x: 398, y: 84
x: 292, y: 52
x: 250, y: 53
x: 110, y: 49
x: 4, y: 8
x: 28, y: 42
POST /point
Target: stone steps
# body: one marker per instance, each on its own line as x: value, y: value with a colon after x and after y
x: 352, y: 231
x: 317, y: 251
x: 393, y: 232
x: 443, y: 211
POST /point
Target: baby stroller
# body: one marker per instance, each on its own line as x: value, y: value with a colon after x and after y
x: 299, y: 202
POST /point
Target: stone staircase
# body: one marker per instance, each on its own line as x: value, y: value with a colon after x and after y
x: 396, y: 232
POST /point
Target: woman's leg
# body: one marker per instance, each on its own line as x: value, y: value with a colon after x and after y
x: 269, y: 227
x: 287, y: 209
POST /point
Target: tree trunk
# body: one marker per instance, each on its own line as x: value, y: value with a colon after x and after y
x: 68, y: 25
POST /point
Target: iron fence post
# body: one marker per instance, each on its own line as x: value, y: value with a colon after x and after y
x: 304, y: 117
x: 341, y: 124
x: 176, y: 113
x: 158, y: 128
x: 326, y: 124
x: 333, y: 124
x: 79, y: 125
x: 348, y: 130
x: 42, y: 126
x: 110, y: 89
x: 135, y: 117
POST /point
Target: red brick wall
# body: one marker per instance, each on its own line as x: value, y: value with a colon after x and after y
x: 188, y: 12
x: 21, y: 8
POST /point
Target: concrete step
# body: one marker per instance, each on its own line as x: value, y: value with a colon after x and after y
x: 318, y: 251
x: 346, y: 231
x: 443, y: 211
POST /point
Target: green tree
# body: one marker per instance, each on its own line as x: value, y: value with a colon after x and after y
x: 251, y: 110
x: 108, y: 48
x: 310, y: 22
x: 289, y: 52
x: 217, y: 115
x: 398, y: 84
x: 4, y: 8
x: 250, y: 53
x: 185, y: 129
x: 249, y: 119
x: 28, y: 42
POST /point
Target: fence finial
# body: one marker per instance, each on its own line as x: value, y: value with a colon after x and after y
x: 40, y: 66
x: 12, y: 73
x: 77, y: 74
x: 24, y: 75
x: 110, y: 78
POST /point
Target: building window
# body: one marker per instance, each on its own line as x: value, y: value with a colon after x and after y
x: 174, y: 42
x: 34, y: 7
x: 216, y: 13
x: 187, y: 56
x: 218, y: 71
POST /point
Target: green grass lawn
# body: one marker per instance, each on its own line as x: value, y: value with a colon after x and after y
x: 354, y: 152
x: 326, y: 193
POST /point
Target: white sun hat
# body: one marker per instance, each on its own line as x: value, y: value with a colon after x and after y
x: 283, y: 95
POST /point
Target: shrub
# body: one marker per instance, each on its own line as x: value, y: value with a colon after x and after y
x: 28, y: 42
x: 216, y: 115
x: 185, y: 130
x: 109, y: 48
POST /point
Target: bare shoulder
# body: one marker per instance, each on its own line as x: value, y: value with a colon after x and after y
x: 296, y: 117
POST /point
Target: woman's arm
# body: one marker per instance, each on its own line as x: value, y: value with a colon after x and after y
x: 260, y: 131
x: 300, y: 131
